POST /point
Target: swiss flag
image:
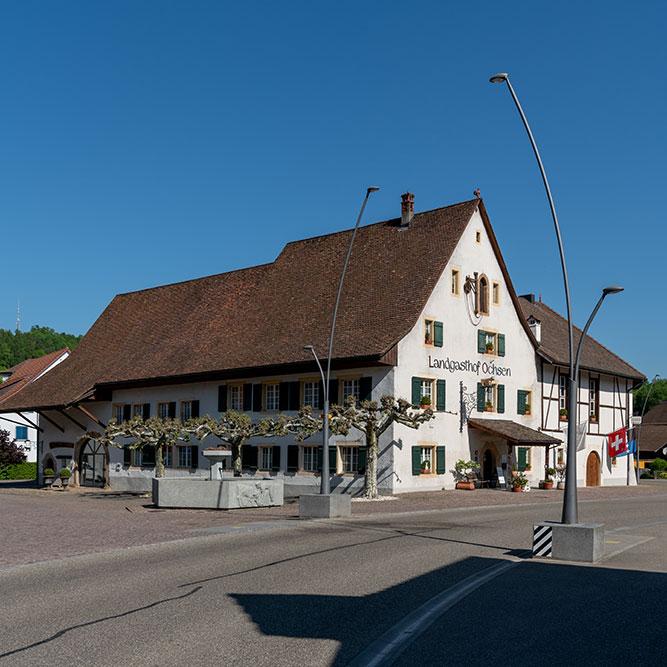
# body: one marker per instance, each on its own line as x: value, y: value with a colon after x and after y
x: 618, y: 442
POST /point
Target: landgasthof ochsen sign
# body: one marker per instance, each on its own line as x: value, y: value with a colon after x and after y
x: 477, y: 367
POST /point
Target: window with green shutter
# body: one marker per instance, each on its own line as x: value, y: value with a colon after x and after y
x: 416, y: 391
x: 500, y: 392
x: 416, y: 460
x: 521, y: 402
x: 501, y: 345
x: 441, y: 466
x: 481, y: 341
x: 481, y: 397
x: 438, y: 334
x: 521, y: 458
x: 440, y: 395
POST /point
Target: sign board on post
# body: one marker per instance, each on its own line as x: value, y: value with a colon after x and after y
x: 501, y: 478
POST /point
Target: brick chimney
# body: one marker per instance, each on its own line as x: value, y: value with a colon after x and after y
x: 407, y: 209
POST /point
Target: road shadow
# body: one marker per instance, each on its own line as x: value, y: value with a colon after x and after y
x: 551, y: 613
x: 18, y: 484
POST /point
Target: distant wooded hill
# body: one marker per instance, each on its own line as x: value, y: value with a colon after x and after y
x: 22, y: 345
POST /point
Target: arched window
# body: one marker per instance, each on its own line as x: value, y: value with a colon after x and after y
x: 483, y: 291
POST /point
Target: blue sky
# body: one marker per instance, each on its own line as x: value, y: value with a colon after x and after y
x: 145, y: 143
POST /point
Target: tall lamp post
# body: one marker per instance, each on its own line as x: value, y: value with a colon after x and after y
x: 570, y: 510
x: 641, y: 418
x: 325, y: 484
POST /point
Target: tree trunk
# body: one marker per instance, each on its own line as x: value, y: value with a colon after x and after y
x: 236, y: 458
x: 371, y: 476
x: 159, y: 461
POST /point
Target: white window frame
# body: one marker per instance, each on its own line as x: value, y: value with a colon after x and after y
x: 272, y: 397
x: 354, y: 390
x: 265, y: 451
x: 236, y: 397
x: 308, y: 457
x: 184, y: 455
x: 163, y: 410
x: 186, y: 411
x: 455, y: 285
x: 311, y: 387
x: 347, y: 458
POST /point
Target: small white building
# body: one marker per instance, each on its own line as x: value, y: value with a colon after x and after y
x: 428, y: 311
x: 23, y: 427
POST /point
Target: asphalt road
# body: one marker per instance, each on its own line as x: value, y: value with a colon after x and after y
x: 340, y: 592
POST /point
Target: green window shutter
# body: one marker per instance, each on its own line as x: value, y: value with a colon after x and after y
x: 333, y: 392
x: 275, y: 467
x: 127, y: 457
x: 416, y: 391
x: 294, y: 395
x: 521, y: 402
x: 441, y: 393
x: 416, y: 460
x: 172, y: 410
x: 247, y: 397
x: 481, y: 341
x: 438, y: 336
x: 146, y: 411
x: 332, y: 459
x: 127, y: 412
x: 480, y: 397
x: 441, y: 467
x: 292, y: 458
x: 195, y: 409
x: 362, y: 460
x: 257, y: 397
x: 365, y: 388
x: 501, y: 345
x: 501, y: 398
x: 222, y: 398
x: 521, y: 459
x: 195, y: 456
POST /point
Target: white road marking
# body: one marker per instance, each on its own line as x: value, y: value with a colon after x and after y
x: 386, y: 648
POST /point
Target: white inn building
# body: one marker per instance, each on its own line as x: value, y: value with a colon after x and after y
x: 428, y: 310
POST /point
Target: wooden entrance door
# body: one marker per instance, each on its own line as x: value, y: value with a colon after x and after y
x: 593, y: 469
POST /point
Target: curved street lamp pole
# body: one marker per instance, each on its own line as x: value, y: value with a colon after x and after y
x: 570, y: 511
x: 325, y: 483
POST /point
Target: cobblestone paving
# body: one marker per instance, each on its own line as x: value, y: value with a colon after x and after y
x: 39, y: 525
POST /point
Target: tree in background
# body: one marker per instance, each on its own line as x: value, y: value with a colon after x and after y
x: 658, y: 394
x: 18, y: 346
x: 154, y: 432
x: 373, y: 420
x: 235, y: 428
x: 10, y: 452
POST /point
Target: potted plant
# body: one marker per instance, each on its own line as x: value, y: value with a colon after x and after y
x: 593, y: 417
x: 426, y: 467
x: 528, y: 467
x: 425, y: 402
x: 427, y: 338
x: 527, y: 409
x: 65, y: 474
x: 563, y: 414
x: 488, y: 406
x: 466, y: 472
x: 548, y: 482
x: 489, y: 348
x: 49, y: 476
x: 519, y: 482
x: 560, y: 476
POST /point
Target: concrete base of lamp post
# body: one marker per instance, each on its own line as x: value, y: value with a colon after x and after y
x: 324, y: 506
x: 581, y: 542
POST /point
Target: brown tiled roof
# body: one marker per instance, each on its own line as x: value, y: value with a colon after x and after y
x: 263, y: 316
x: 23, y: 373
x: 517, y: 434
x: 555, y: 349
x: 652, y: 437
x: 657, y: 414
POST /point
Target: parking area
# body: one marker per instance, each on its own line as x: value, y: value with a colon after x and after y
x: 38, y: 525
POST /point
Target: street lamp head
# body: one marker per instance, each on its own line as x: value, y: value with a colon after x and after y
x: 614, y: 289
x: 372, y: 189
x: 499, y: 78
x: 308, y: 347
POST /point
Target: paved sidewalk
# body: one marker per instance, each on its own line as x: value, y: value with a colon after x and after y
x: 39, y: 525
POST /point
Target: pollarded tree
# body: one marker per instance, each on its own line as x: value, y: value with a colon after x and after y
x: 152, y: 432
x: 373, y: 420
x: 235, y: 428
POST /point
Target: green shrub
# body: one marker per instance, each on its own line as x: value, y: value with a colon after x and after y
x: 48, y: 472
x: 662, y: 475
x: 65, y: 473
x: 657, y: 465
x: 19, y: 471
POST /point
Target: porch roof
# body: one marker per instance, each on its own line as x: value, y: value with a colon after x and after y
x: 516, y: 434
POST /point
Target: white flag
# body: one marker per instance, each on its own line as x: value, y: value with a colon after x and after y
x: 581, y: 435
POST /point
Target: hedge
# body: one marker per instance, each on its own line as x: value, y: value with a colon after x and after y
x: 19, y: 471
